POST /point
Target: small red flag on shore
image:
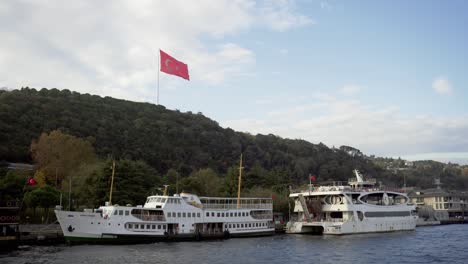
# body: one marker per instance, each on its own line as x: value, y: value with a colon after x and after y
x: 31, y: 181
x: 312, y: 177
x: 172, y: 66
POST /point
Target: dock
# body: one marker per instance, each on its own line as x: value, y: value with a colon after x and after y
x: 40, y: 234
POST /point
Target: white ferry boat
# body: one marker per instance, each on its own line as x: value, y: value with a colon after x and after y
x: 162, y: 217
x: 357, y: 207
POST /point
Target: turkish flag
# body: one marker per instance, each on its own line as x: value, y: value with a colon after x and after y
x: 172, y: 66
x: 31, y: 181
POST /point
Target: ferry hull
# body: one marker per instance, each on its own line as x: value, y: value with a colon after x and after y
x: 351, y: 227
x: 92, y: 228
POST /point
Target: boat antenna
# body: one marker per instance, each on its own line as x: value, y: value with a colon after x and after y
x: 240, y: 181
x: 112, y: 182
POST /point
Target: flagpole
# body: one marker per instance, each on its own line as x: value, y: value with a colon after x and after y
x: 157, y: 95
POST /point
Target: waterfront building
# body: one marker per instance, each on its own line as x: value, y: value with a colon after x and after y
x: 448, y: 206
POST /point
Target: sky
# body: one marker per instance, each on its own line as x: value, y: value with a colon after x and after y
x: 387, y: 77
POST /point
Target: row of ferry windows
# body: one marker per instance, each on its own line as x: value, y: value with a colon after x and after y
x: 246, y: 225
x: 121, y: 212
x: 218, y: 214
x: 183, y: 214
x: 144, y: 226
x: 231, y: 214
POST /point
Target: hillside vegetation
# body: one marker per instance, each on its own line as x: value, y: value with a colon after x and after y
x: 154, y: 146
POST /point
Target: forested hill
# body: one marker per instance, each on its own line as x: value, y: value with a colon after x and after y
x: 167, y: 139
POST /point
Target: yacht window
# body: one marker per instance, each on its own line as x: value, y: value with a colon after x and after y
x: 217, y: 214
x: 198, y: 214
x: 222, y: 214
x: 237, y: 225
x: 230, y: 214
x: 159, y: 226
x: 130, y: 226
x: 207, y: 214
x: 120, y: 212
x: 212, y: 214
x: 235, y: 214
x: 116, y: 212
x: 242, y: 225
x: 126, y: 212
x: 189, y: 214
x: 147, y: 226
x: 153, y: 226
x: 178, y: 214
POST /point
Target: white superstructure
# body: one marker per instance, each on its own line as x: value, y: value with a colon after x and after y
x: 184, y: 216
x: 357, y: 207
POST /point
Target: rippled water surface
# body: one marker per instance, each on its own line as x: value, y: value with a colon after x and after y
x: 437, y: 244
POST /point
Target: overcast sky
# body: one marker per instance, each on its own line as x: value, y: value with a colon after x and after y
x: 387, y: 77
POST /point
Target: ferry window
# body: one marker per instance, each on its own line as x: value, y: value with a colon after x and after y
x: 242, y: 225
x: 250, y: 225
x: 153, y: 226
x: 217, y: 214
x: 183, y: 214
x: 130, y: 226
x: 115, y: 212
x: 237, y: 225
x: 230, y: 214
x: 120, y: 212
x: 256, y: 224
x: 212, y: 214
x: 229, y: 226
x: 235, y: 214
x: 198, y: 214
x: 126, y: 212
x: 178, y: 214
x: 147, y: 226
x: 159, y: 226
x: 222, y: 214
x: 163, y: 200
x: 207, y: 214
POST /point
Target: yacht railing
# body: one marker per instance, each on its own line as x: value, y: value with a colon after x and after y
x: 234, y: 206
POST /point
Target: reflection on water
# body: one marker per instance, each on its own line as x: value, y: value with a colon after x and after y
x: 439, y: 244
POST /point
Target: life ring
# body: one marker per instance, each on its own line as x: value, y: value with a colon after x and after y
x: 385, y: 199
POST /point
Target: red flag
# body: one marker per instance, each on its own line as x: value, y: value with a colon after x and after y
x: 172, y: 66
x: 312, y: 177
x: 31, y: 181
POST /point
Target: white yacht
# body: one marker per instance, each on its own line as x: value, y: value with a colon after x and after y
x: 162, y: 217
x: 357, y: 207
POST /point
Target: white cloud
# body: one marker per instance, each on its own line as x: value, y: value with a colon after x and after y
x: 381, y: 130
x: 350, y: 89
x: 110, y: 48
x: 281, y: 15
x: 442, y: 85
